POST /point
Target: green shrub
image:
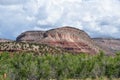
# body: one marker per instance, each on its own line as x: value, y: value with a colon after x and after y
x: 27, y: 66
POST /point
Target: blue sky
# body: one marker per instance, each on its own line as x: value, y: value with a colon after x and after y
x: 99, y: 18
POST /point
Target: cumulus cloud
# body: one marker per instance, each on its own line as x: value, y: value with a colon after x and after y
x: 98, y: 18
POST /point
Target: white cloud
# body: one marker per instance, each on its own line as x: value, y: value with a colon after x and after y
x: 96, y: 17
x: 12, y: 2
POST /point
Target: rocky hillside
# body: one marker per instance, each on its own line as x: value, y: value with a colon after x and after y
x: 69, y: 38
x: 110, y: 45
x: 29, y: 47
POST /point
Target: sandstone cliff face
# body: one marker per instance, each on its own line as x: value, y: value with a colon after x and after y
x: 108, y: 45
x: 69, y: 38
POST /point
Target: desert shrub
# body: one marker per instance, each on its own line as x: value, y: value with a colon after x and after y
x: 28, y: 66
x: 5, y: 66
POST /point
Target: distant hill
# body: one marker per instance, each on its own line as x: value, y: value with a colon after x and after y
x: 110, y: 45
x: 5, y: 40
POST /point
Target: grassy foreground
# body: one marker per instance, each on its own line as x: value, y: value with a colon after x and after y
x: 27, y: 66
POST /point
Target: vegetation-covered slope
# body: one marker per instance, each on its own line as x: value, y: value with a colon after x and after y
x: 29, y: 47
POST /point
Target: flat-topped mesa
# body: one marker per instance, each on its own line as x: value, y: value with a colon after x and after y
x: 69, y: 38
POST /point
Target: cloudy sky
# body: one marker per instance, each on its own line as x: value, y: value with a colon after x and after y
x: 99, y: 18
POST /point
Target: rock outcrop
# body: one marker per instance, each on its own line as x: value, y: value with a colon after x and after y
x: 109, y: 45
x: 69, y: 38
x: 31, y: 36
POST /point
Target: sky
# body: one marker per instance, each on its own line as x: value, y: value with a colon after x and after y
x: 99, y: 18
